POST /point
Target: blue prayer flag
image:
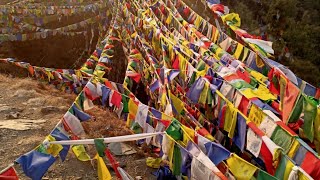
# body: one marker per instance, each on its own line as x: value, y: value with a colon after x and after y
x: 35, y: 164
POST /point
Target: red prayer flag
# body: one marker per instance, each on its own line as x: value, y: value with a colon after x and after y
x: 135, y: 76
x: 273, y: 77
x: 243, y: 107
x: 309, y: 165
x: 267, y: 159
x: 116, y: 99
x: 9, y: 174
x: 244, y: 75
x: 290, y: 96
x: 317, y: 96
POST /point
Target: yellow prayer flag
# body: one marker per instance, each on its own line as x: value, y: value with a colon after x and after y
x: 103, y: 172
x: 317, y: 127
x: 171, y: 52
x: 166, y: 117
x: 80, y: 152
x: 177, y: 103
x: 283, y: 85
x: 53, y: 149
x: 50, y: 75
x: 219, y: 52
x: 169, y: 19
x: 256, y: 115
x: 288, y: 169
x: 167, y: 148
x: 233, y: 17
x: 153, y: 162
x: 94, y: 58
x: 188, y: 134
x: 262, y: 93
x: 182, y: 66
x: 215, y: 36
x: 302, y: 176
x: 163, y: 99
x: 294, y: 148
x: 204, y: 94
x: 258, y: 76
x: 99, y: 73
x: 200, y: 73
x: 245, y: 53
x: 130, y: 120
x: 78, y: 73
x: 133, y: 107
x: 230, y: 120
x: 238, y: 51
x: 241, y: 169
x: 133, y: 35
x: 197, y: 22
x: 259, y: 61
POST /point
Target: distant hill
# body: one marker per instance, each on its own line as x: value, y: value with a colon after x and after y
x: 293, y: 26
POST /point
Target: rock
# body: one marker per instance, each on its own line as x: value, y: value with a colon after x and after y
x: 27, y: 94
x: 121, y: 149
x: 7, y: 109
x: 49, y: 109
x: 63, y: 108
x: 36, y: 101
x: 139, y: 161
x: 13, y: 115
x: 21, y: 124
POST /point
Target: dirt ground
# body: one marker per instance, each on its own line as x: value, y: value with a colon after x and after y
x: 29, y: 110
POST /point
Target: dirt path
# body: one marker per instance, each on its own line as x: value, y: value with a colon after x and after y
x: 29, y: 110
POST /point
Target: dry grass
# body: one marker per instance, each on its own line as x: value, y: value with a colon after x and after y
x: 105, y: 124
x: 3, y: 78
x: 23, y: 83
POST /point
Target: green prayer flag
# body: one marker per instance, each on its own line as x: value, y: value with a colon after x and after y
x: 284, y: 168
x: 262, y: 175
x: 42, y: 149
x: 201, y: 66
x: 125, y: 104
x: 136, y: 128
x: 282, y: 138
x: 295, y: 115
x: 175, y: 131
x: 241, y: 84
x: 80, y: 100
x: 209, y: 97
x: 100, y: 146
x: 310, y: 112
x: 177, y: 161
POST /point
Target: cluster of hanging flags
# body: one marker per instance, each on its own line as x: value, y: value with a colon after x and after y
x: 25, y: 21
x: 217, y: 108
